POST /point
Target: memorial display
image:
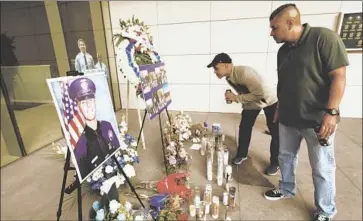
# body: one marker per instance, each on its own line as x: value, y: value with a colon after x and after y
x: 80, y: 96
x: 88, y: 121
x: 350, y: 30
x: 134, y: 48
x: 141, y: 65
x: 155, y: 89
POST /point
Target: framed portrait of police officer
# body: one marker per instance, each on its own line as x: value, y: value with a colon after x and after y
x: 85, y: 110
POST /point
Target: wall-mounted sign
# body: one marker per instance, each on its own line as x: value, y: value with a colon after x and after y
x: 350, y: 30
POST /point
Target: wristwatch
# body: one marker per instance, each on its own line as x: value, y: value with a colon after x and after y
x: 332, y: 111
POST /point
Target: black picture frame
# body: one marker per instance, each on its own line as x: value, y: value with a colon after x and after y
x: 350, y: 30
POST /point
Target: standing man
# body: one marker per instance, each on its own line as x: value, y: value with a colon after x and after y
x: 98, y: 140
x: 311, y: 81
x: 83, y: 61
x: 100, y: 65
x: 254, y: 96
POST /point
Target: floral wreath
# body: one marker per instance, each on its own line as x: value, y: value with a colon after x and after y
x: 134, y: 48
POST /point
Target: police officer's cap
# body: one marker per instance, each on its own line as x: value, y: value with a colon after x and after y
x: 81, y: 89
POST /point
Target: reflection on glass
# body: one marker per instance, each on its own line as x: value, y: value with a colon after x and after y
x: 100, y: 65
x: 32, y: 104
x: 10, y: 149
x: 83, y: 60
x: 27, y: 60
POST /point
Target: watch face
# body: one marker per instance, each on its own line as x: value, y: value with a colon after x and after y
x: 333, y: 111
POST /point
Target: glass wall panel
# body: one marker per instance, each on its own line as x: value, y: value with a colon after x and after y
x: 10, y: 149
x: 27, y: 60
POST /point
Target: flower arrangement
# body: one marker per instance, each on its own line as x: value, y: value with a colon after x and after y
x: 170, y: 208
x: 108, y: 174
x: 114, y: 211
x: 179, y: 127
x: 134, y: 47
x: 177, y: 157
x: 175, y: 134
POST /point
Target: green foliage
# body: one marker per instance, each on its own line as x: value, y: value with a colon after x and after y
x: 142, y: 59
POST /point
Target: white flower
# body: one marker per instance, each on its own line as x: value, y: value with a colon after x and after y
x: 134, y: 143
x: 127, y: 158
x: 185, y: 136
x: 129, y: 170
x: 139, y: 218
x: 173, y: 152
x: 128, y: 206
x: 100, y: 215
x: 89, y: 179
x: 182, y: 153
x: 114, y: 206
x: 109, y: 169
x: 123, y: 146
x: 121, y: 217
x: 97, y: 174
x: 170, y: 148
x: 120, y: 180
x: 123, y: 124
x: 107, y: 184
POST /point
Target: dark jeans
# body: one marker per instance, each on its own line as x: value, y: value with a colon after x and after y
x: 245, y: 131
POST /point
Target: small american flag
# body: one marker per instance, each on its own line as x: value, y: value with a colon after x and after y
x: 73, y: 120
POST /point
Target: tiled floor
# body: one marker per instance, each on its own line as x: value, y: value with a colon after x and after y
x: 30, y: 187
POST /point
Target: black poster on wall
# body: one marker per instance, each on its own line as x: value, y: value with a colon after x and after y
x: 350, y: 30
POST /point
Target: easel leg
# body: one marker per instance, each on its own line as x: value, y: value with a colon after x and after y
x: 128, y: 181
x: 141, y: 129
x: 162, y: 142
x: 79, y: 193
x: 66, y: 168
x: 167, y: 113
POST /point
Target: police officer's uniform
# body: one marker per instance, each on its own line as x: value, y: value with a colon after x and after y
x: 93, y: 146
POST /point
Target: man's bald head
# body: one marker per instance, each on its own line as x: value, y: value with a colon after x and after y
x: 285, y: 23
x: 286, y: 11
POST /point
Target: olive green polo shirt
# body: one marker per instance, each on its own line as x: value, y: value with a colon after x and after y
x: 303, y: 76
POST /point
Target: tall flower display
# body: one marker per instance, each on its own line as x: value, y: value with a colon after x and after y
x: 134, y: 47
x: 175, y: 133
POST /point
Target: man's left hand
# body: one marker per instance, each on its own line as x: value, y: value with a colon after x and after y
x: 328, y: 126
x: 230, y: 96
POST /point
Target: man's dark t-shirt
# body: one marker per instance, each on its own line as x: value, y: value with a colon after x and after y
x: 303, y: 76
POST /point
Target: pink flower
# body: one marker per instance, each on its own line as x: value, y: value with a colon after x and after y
x: 172, y: 160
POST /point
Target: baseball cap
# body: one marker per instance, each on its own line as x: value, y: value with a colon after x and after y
x: 220, y: 58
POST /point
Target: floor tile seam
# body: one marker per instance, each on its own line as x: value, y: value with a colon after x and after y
x: 305, y: 202
x: 351, y: 181
x: 355, y: 142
